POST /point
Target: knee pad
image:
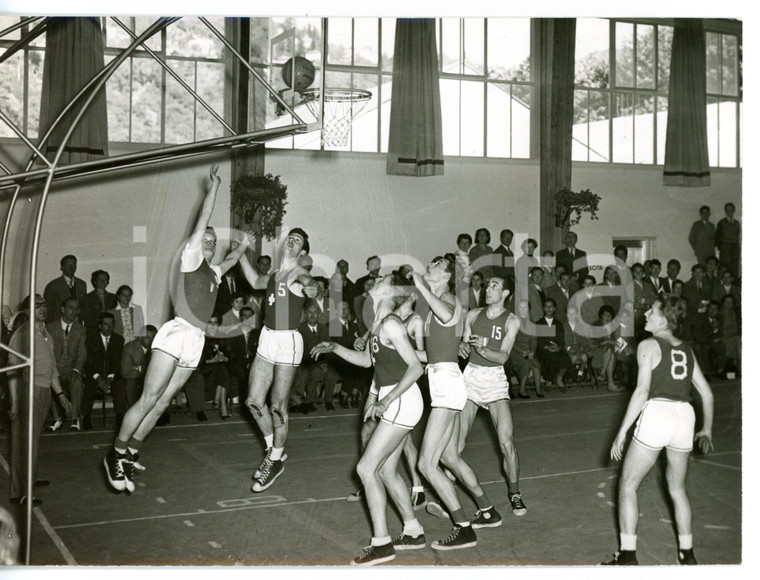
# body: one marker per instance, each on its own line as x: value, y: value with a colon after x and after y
x: 277, y: 413
x: 254, y: 408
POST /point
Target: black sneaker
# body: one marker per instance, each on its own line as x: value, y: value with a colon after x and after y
x: 407, y: 542
x: 270, y: 470
x: 329, y: 406
x: 518, y: 507
x: 686, y: 557
x: 114, y: 464
x: 373, y: 555
x: 623, y: 558
x: 418, y: 500
x: 489, y: 518
x: 267, y: 455
x: 460, y: 537
x: 129, y: 471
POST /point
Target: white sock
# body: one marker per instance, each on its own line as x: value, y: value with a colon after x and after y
x: 684, y: 542
x: 269, y: 440
x: 381, y: 541
x: 628, y: 542
x: 276, y: 453
x: 417, y: 488
x: 413, y: 528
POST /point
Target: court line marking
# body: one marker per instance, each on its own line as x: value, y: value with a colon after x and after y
x: 712, y: 527
x: 45, y: 523
x: 285, y: 503
x: 715, y: 463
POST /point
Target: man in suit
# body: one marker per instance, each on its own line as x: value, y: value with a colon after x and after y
x: 233, y: 283
x: 673, y: 269
x: 95, y: 303
x: 242, y: 350
x: 728, y: 240
x: 104, y: 349
x: 312, y: 373
x: 536, y: 294
x: 476, y: 294
x: 341, y: 288
x: 704, y: 334
x: 70, y: 356
x: 610, y: 289
x: 702, y: 236
x: 373, y: 266
x: 588, y: 302
x: 725, y: 287
x: 322, y: 299
x: 561, y: 294
x: 712, y: 277
x: 550, y: 346
x: 505, y: 268
x: 696, y: 293
x: 572, y: 258
x: 653, y: 280
x: 351, y: 374
x: 134, y: 362
x: 67, y: 286
x: 231, y: 317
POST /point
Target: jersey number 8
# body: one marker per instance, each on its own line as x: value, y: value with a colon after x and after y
x: 678, y: 367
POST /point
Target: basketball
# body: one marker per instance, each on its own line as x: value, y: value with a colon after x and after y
x: 304, y: 72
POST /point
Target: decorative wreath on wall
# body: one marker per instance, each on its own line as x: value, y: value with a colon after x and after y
x: 259, y: 201
x: 569, y: 202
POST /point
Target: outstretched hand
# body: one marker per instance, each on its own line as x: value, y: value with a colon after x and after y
x: 322, y: 348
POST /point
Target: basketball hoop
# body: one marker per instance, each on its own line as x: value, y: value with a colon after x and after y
x: 341, y: 107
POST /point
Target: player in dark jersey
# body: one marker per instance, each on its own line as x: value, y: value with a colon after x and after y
x: 667, y: 370
x: 279, y: 352
x: 396, y: 401
x: 448, y: 396
x: 488, y: 337
x: 178, y: 345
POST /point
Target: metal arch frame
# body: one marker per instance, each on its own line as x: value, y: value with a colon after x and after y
x: 54, y: 172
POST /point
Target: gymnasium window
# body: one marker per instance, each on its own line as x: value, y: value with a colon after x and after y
x: 622, y: 71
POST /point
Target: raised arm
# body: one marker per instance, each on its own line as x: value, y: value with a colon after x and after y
x: 646, y: 355
x: 443, y: 307
x: 704, y: 436
x: 236, y: 254
x: 207, y: 209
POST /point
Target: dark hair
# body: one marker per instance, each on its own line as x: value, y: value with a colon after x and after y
x: 714, y: 303
x: 655, y: 262
x: 713, y: 258
x: 488, y: 235
x: 67, y: 300
x: 547, y: 253
x: 309, y: 302
x: 704, y: 207
x: 589, y: 277
x: 451, y: 268
x: 104, y: 316
x: 729, y: 204
x: 674, y: 262
x: 673, y: 309
x: 731, y: 296
x: 637, y: 265
x: 304, y: 235
x: 97, y: 273
x: 621, y: 248
x: 247, y: 309
x: 506, y: 231
x: 536, y: 269
x: 236, y: 295
x: 372, y: 258
x: 547, y: 300
x: 461, y: 237
x: 696, y: 267
x: 607, y: 308
x: 26, y: 302
x: 68, y: 257
x: 531, y: 241
x: 150, y: 328
x: 122, y: 288
x: 506, y: 284
x: 262, y: 257
x: 404, y: 289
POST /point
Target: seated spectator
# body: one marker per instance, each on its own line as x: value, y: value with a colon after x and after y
x: 464, y: 267
x: 561, y: 294
x: 644, y: 294
x: 673, y: 269
x: 550, y: 347
x: 97, y: 302
x: 578, y: 345
x: 351, y: 374
x: 696, y: 293
x: 215, y: 368
x: 104, y: 350
x: 69, y: 347
x: 588, y: 301
x: 373, y: 267
x: 610, y: 289
x: 128, y: 318
x: 135, y: 357
x: 705, y: 334
x: 476, y: 294
x: 726, y: 287
x: 480, y: 249
x: 712, y: 277
x: 322, y: 299
x: 312, y: 374
x: 522, y: 357
x: 230, y: 320
x: 549, y: 268
x: 731, y: 334
x: 605, y: 346
x: 363, y: 309
x: 242, y: 351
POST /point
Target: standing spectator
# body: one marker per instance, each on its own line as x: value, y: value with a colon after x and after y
x: 621, y: 253
x: 104, y: 349
x: 536, y: 295
x: 363, y: 304
x: 704, y: 333
x: 68, y: 337
x: 476, y: 294
x: 350, y: 331
x: 712, y: 275
x: 97, y: 302
x: 341, y: 287
x: 214, y: 368
x: 480, y: 249
x: 67, y: 286
x: 464, y: 269
x: 523, y: 266
x: 134, y: 362
x: 45, y: 378
x: 550, y: 347
x: 373, y: 266
x: 506, y: 267
x: 232, y: 283
x: 655, y: 267
x: 128, y: 318
x: 230, y: 320
x: 322, y: 299
x: 673, y: 269
x: 728, y: 240
x: 573, y: 259
x: 644, y: 296
x: 550, y: 272
x: 702, y: 236
x: 678, y: 288
x: 561, y: 294
x: 696, y: 293
x: 311, y: 373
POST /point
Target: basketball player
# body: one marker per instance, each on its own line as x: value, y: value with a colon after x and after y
x: 394, y: 400
x: 178, y: 345
x: 489, y: 335
x: 667, y: 369
x: 448, y: 396
x: 279, y: 352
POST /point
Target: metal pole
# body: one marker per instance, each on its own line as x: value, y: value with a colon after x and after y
x: 20, y: 24
x: 23, y: 41
x: 21, y: 136
x: 176, y: 77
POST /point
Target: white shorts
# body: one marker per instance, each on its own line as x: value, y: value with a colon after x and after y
x: 181, y: 340
x: 406, y: 410
x: 486, y: 385
x: 666, y: 423
x: 281, y: 347
x: 447, y: 388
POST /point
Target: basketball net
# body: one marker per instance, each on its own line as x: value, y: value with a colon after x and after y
x: 341, y: 107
